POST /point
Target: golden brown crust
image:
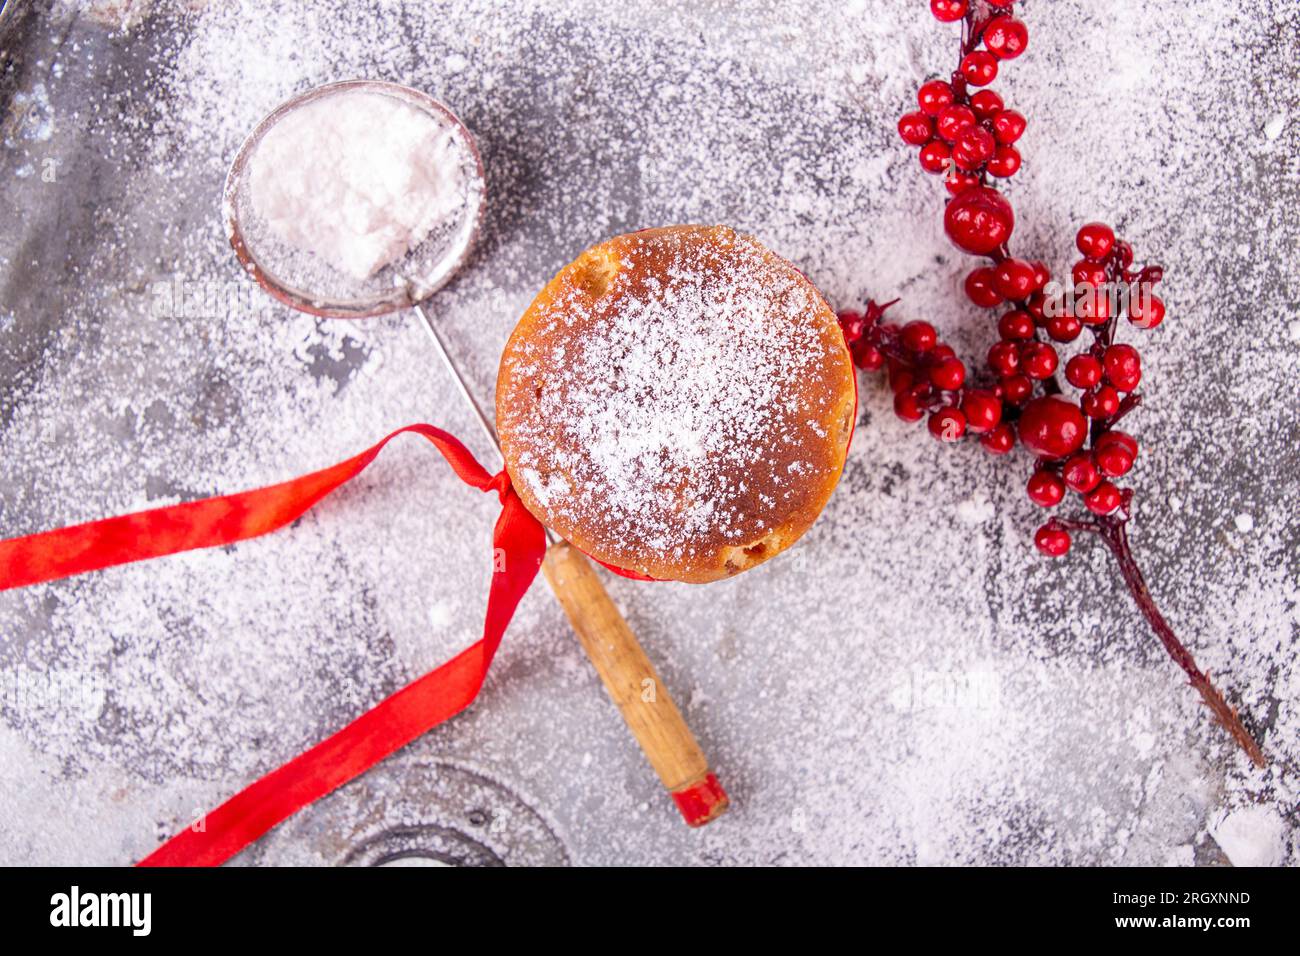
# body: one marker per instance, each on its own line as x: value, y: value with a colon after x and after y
x: 677, y: 402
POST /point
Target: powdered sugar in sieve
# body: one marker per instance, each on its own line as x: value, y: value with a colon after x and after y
x: 355, y: 198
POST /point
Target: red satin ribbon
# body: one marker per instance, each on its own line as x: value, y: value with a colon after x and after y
x: 390, y: 725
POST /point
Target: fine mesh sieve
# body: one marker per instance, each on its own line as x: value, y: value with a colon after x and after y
x: 299, y: 278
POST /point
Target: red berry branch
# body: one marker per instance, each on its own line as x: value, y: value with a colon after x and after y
x: 968, y: 135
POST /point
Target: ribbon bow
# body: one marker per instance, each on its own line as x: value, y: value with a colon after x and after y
x: 385, y: 728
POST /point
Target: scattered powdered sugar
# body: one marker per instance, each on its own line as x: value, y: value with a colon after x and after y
x: 1252, y: 836
x: 672, y: 412
x: 356, y: 178
x: 910, y: 683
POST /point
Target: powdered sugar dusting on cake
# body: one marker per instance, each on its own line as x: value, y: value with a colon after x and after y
x: 667, y: 412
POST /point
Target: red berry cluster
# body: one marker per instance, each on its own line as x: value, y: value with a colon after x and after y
x: 1076, y: 442
x: 1107, y: 374
x: 927, y: 378
x: 971, y: 136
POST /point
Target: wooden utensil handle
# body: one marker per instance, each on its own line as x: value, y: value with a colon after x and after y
x: 631, y: 681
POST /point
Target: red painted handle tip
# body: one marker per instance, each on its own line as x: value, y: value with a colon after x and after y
x: 703, y: 801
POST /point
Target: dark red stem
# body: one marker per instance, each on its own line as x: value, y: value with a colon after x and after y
x: 1113, y: 530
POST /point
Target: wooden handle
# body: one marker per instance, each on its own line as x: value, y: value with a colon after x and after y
x: 632, y: 682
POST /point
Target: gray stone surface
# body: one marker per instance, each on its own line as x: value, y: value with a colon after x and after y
x: 912, y: 684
